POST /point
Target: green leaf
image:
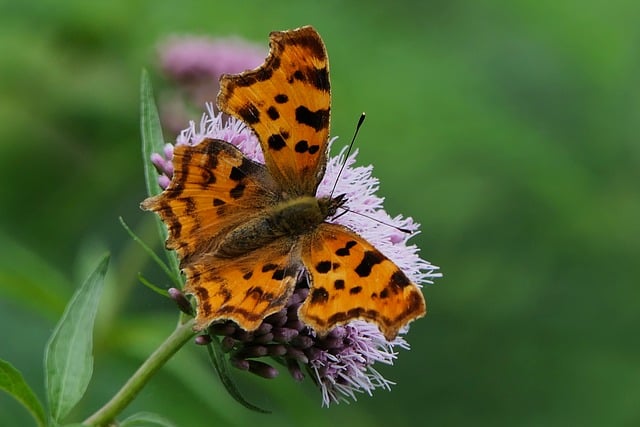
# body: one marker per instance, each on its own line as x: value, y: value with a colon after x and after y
x: 153, y: 142
x: 151, y: 129
x: 146, y: 419
x: 12, y: 381
x: 221, y: 364
x: 68, y: 356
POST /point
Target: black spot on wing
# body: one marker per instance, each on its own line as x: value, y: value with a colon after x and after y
x: 301, y: 146
x: 345, y: 250
x: 276, y: 142
x: 323, y: 267
x: 281, y: 98
x: 249, y: 113
x: 370, y: 259
x: 269, y: 267
x: 236, y: 174
x: 318, y: 120
x: 399, y: 280
x: 299, y: 75
x: 320, y: 79
x: 245, y: 168
x: 273, y: 113
x: 279, y: 274
x: 319, y: 296
x: 265, y: 73
x: 250, y: 78
x: 237, y: 191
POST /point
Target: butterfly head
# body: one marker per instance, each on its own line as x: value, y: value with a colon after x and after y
x: 329, y: 205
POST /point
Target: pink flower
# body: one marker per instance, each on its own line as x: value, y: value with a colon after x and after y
x: 341, y: 363
x: 194, y: 65
x: 188, y: 58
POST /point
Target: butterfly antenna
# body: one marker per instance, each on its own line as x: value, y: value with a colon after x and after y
x: 355, y: 134
x: 347, y: 210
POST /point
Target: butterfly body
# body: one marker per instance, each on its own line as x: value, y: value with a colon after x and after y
x: 288, y: 219
x: 302, y: 214
x: 247, y: 233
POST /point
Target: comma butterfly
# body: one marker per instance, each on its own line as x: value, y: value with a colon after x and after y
x: 246, y: 233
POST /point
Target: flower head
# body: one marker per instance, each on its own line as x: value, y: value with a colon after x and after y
x: 342, y: 362
x: 194, y: 65
x: 190, y: 58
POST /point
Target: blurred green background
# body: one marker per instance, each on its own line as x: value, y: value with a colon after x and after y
x: 508, y: 129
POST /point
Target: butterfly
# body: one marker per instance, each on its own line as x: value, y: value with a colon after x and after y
x: 247, y: 233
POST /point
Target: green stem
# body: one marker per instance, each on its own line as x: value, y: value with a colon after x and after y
x: 105, y: 415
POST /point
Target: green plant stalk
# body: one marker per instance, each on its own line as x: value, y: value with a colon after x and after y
x: 105, y: 415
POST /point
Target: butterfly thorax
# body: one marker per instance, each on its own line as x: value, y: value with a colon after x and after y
x: 289, y: 218
x: 303, y: 214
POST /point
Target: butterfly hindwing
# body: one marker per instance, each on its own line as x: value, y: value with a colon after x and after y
x: 351, y: 279
x: 213, y: 190
x: 245, y: 289
x: 286, y: 102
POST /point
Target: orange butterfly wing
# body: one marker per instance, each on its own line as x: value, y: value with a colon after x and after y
x: 246, y: 288
x: 286, y: 102
x: 213, y: 190
x: 351, y: 279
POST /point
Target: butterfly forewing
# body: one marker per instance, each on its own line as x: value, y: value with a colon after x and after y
x: 214, y: 189
x: 286, y: 102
